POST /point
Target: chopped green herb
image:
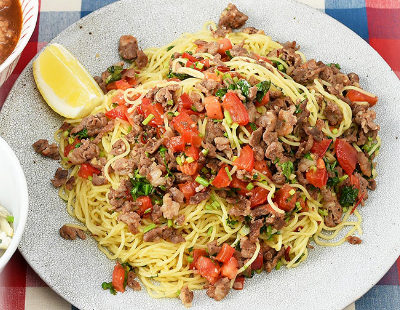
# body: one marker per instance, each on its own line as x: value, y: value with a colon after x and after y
x: 78, y: 145
x: 83, y: 134
x: 209, y: 232
x: 170, y: 102
x: 141, y: 187
x: 221, y: 92
x: 228, y: 173
x: 249, y: 186
x: 189, y: 259
x: 228, y: 117
x: 278, y: 265
x: 202, y: 181
x: 193, y: 108
x: 281, y: 68
x: 263, y: 88
x: 228, y: 53
x: 348, y: 196
x: 170, y: 47
x: 148, y: 119
x: 149, y: 227
x: 115, y: 74
x: 231, y: 222
x: 10, y: 219
x: 287, y: 169
x: 180, y: 76
x: 244, y: 87
x: 169, y: 223
x: 232, y: 87
x: 298, y: 110
x: 109, y: 286
x: 308, y: 156
x: 333, y: 64
x: 189, y: 159
x: 204, y: 152
x: 323, y: 212
x: 253, y: 126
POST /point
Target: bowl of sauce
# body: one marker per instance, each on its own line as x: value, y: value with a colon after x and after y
x: 17, y: 23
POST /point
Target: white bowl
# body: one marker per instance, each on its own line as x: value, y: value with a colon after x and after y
x: 29, y: 17
x: 13, y: 196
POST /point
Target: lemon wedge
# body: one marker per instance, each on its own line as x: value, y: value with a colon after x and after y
x: 64, y: 83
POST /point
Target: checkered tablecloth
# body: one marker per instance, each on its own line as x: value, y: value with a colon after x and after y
x: 376, y: 21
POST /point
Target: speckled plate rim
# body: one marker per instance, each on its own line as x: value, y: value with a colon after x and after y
x: 342, y: 301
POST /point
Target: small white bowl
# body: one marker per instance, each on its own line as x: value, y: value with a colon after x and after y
x: 29, y: 17
x: 13, y: 196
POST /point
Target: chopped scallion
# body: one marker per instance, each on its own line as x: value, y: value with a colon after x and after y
x: 249, y: 186
x: 202, y: 181
x: 149, y: 227
x: 169, y: 223
x: 209, y: 232
x: 292, y: 192
x: 190, y: 160
x: 278, y: 265
x: 228, y: 117
x: 204, y: 152
x: 148, y: 119
x: 10, y: 219
x: 170, y: 102
x: 189, y: 259
x: 228, y: 173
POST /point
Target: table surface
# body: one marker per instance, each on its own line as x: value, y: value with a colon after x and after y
x: 376, y: 21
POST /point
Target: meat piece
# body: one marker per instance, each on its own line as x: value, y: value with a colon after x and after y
x: 268, y: 121
x: 255, y: 230
x: 222, y: 143
x: 165, y: 233
x: 169, y: 208
x: 243, y: 175
x: 305, y: 147
x: 274, y: 151
x: 132, y: 283
x: 43, y: 147
x: 213, y: 130
x: 363, y: 186
x: 101, y: 83
x: 278, y: 177
x: 239, y: 51
x: 240, y: 206
x: 231, y: 17
x: 259, y: 211
x: 213, y: 248
x: 255, y: 137
x: 186, y: 296
x: 252, y: 94
x: 221, y: 32
x: 93, y: 124
x: 84, y: 153
x: 208, y: 87
x: 316, y: 131
x: 219, y: 289
x: 128, y: 47
x: 372, y: 184
x: 123, y: 166
x: 166, y: 93
x: 109, y: 127
x: 365, y: 164
x: 333, y: 113
x: 247, y: 247
x: 354, y: 79
x: 270, y: 137
x: 331, y: 204
x: 366, y: 120
x: 353, y: 240
x: 141, y: 60
x: 99, y: 180
x: 182, y: 178
x: 70, y: 183
x: 177, y: 195
x: 155, y: 175
x: 117, y: 197
x: 70, y: 233
x: 251, y: 109
x: 132, y: 219
x: 286, y: 121
x: 288, y: 54
x: 275, y: 219
x: 153, y: 144
x: 207, y: 47
x: 118, y: 148
x: 307, y: 72
x: 156, y: 214
x: 252, y: 30
x: 199, y: 197
x: 60, y: 177
x: 271, y: 258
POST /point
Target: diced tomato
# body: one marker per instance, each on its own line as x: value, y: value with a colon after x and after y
x: 223, y: 69
x: 212, y: 76
x: 264, y: 100
x: 189, y: 57
x: 258, y: 197
x: 346, y: 155
x: 241, y: 185
x: 189, y: 168
x: 355, y: 95
x: 183, y: 124
x: 186, y: 101
x: 155, y: 109
x: 284, y: 199
x: 192, y: 151
x: 144, y: 204
x: 224, y: 44
x: 236, y: 109
x: 121, y: 84
x: 225, y: 253
x: 356, y: 183
x: 360, y: 199
x: 196, y: 254
x: 118, y: 278
x: 190, y: 64
x: 230, y: 268
x: 320, y: 148
x: 192, y: 138
x: 262, y: 166
x: 118, y: 98
x: 118, y: 112
x: 176, y: 144
x: 68, y: 148
x: 206, y: 63
x: 87, y: 170
x: 246, y: 159
x: 258, y: 262
x: 213, y: 107
x: 319, y: 176
x: 207, y: 269
x: 222, y: 179
x: 188, y: 189
x: 239, y: 283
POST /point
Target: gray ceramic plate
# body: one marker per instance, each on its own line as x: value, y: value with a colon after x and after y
x: 330, y: 279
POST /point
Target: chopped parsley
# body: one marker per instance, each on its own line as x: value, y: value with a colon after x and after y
x: 109, y: 286
x: 10, y: 219
x: 263, y: 88
x: 221, y: 92
x: 308, y: 156
x: 333, y: 64
x: 253, y: 126
x: 83, y: 134
x: 231, y: 222
x: 287, y: 169
x: 348, y: 196
x: 298, y: 110
x: 180, y: 76
x: 228, y: 53
x: 115, y: 74
x: 170, y: 47
x: 141, y: 187
x: 244, y: 87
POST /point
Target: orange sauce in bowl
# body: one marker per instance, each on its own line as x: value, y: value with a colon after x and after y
x: 10, y: 26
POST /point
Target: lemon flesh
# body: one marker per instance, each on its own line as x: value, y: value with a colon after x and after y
x: 64, y: 83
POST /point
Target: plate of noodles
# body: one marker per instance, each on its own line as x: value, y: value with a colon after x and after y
x: 223, y: 166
